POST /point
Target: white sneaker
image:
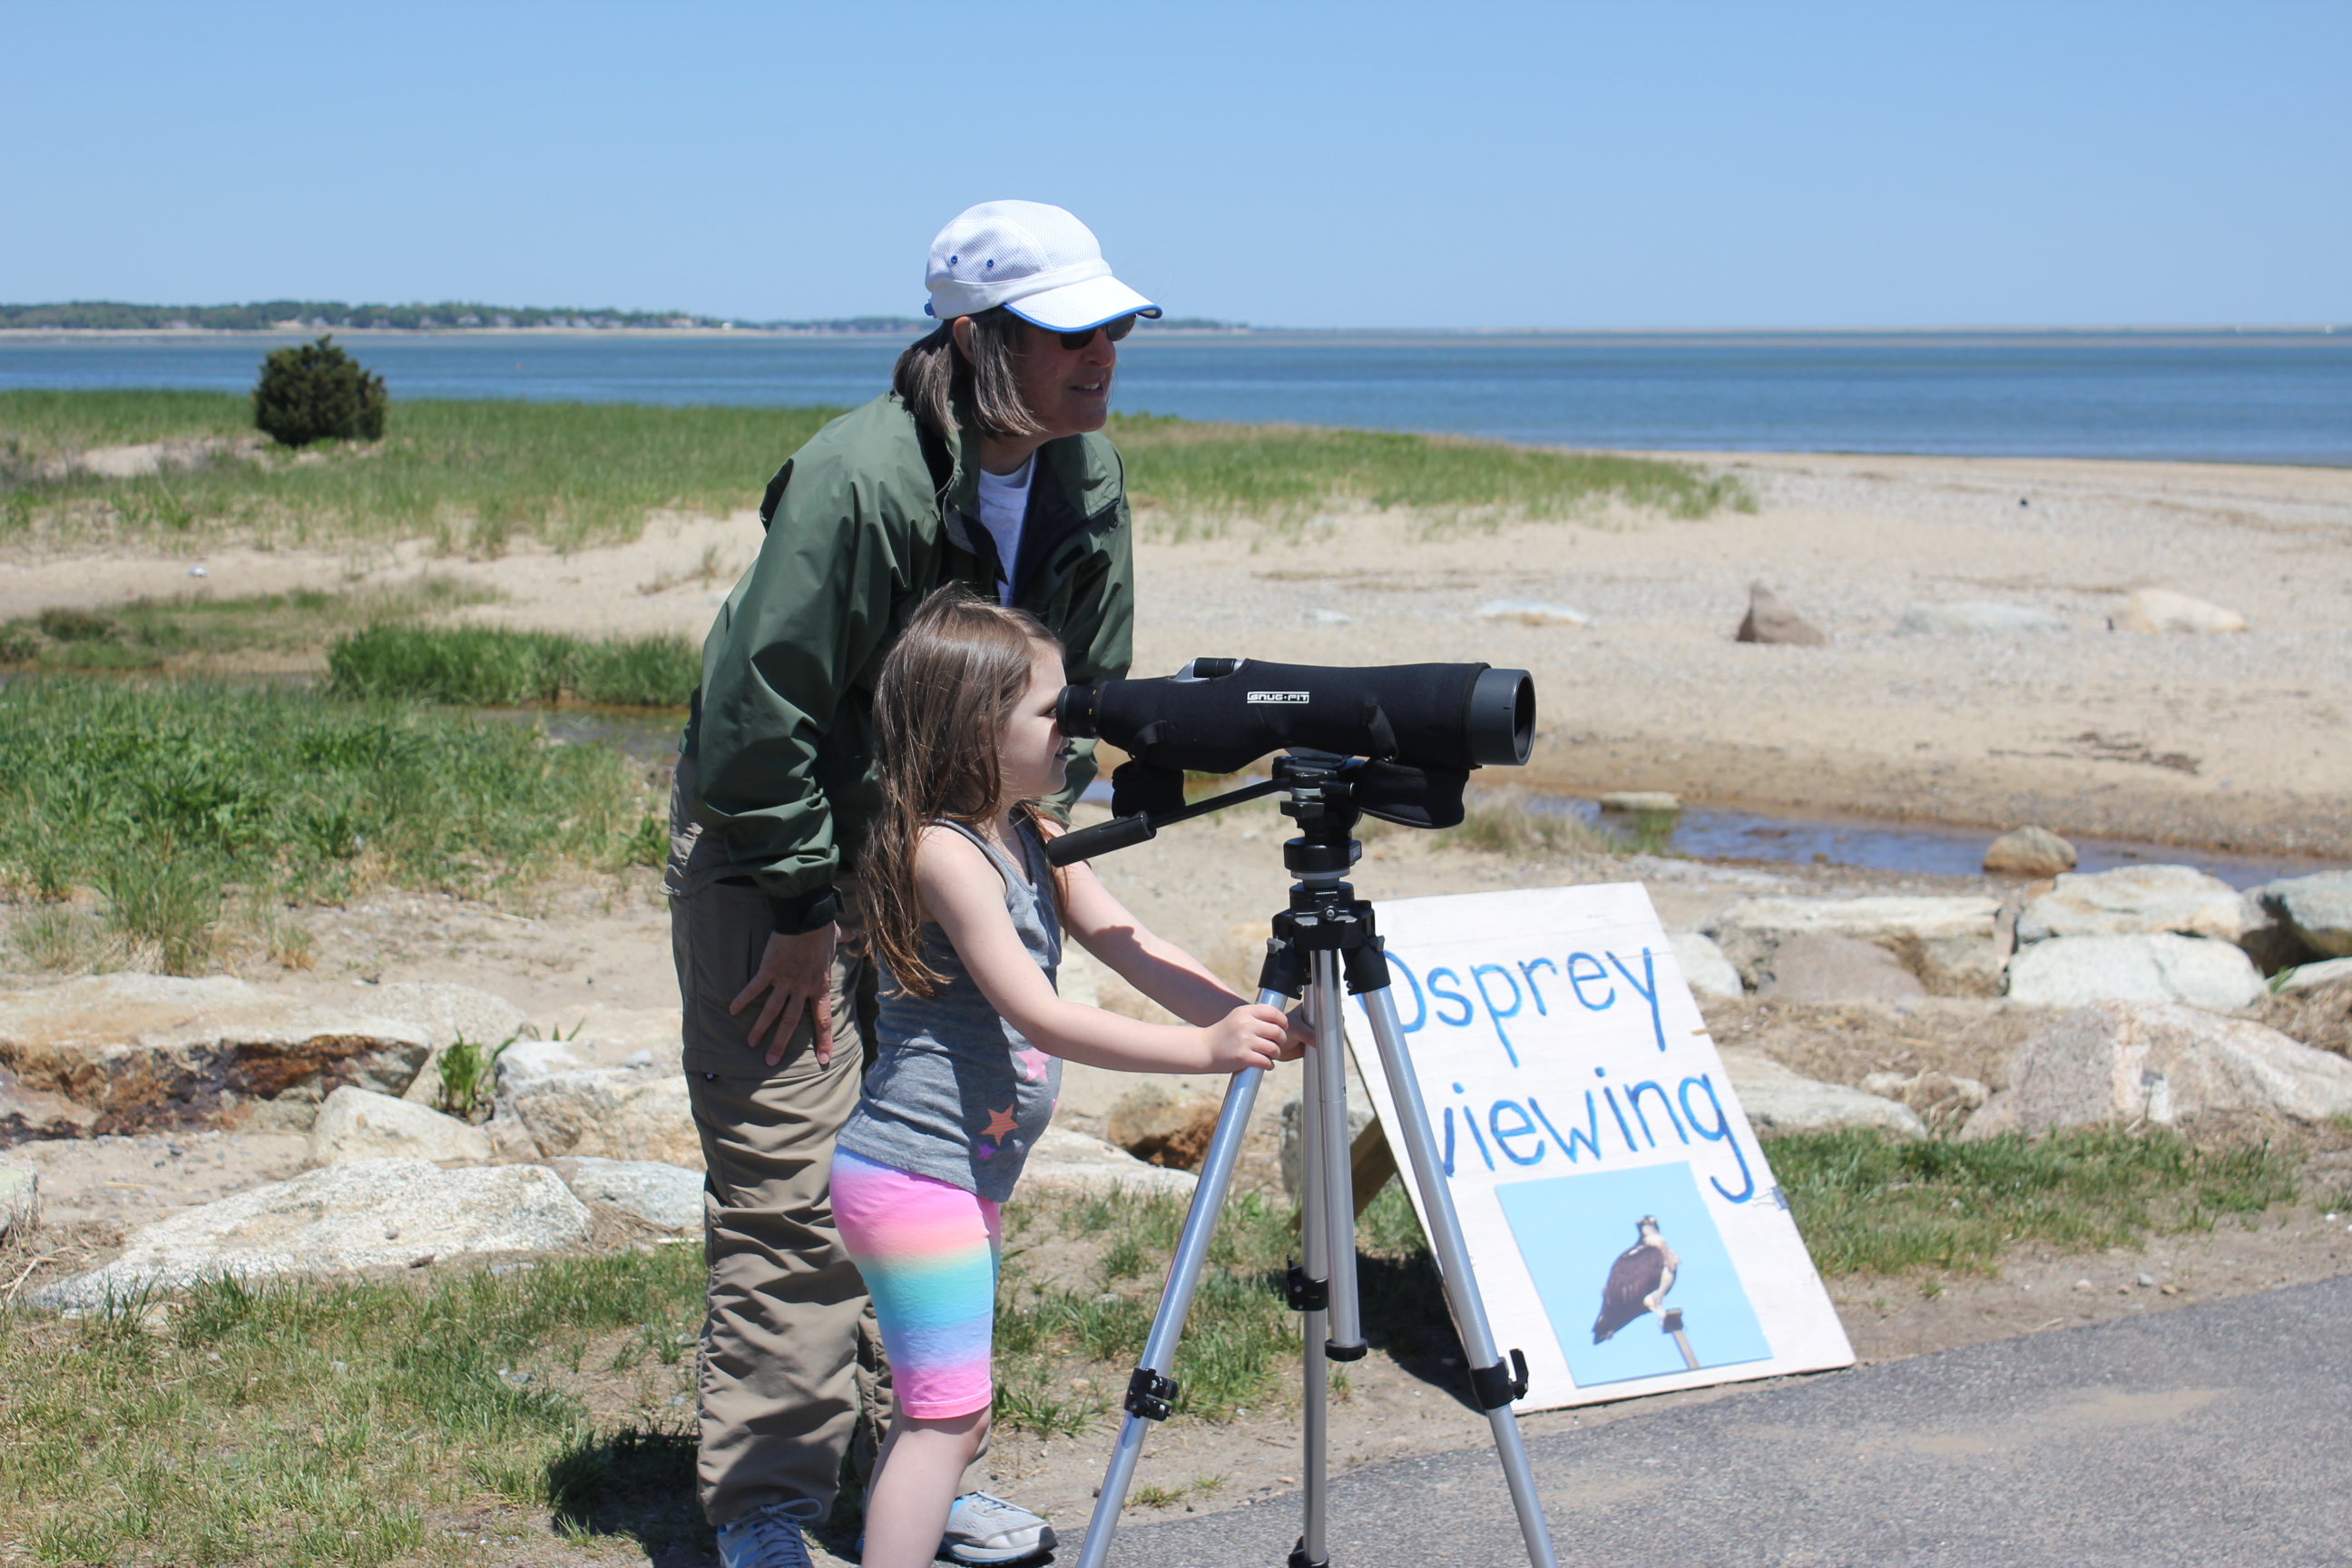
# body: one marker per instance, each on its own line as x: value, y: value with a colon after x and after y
x: 984, y: 1528
x: 765, y: 1538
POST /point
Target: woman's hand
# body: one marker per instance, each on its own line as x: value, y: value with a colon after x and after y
x: 796, y: 971
x: 1249, y: 1036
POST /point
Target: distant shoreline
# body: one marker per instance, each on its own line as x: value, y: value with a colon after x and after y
x: 2187, y: 335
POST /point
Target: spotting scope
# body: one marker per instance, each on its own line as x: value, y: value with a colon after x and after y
x: 1219, y: 715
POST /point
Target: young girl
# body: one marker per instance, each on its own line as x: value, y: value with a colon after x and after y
x: 966, y: 919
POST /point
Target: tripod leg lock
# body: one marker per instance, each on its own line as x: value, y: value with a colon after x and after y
x: 1496, y: 1385
x: 1305, y: 1295
x: 1151, y: 1395
x: 1298, y: 1558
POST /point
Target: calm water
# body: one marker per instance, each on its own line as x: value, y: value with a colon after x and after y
x: 2273, y: 397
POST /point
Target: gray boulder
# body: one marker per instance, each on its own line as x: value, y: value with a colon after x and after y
x: 155, y: 1051
x: 1981, y: 618
x: 613, y: 1113
x: 2118, y: 1062
x: 2312, y: 976
x: 2029, y: 852
x: 370, y: 1214
x: 20, y: 1200
x: 1778, y: 1100
x: 667, y: 1196
x: 527, y: 1059
x: 1067, y: 1162
x: 2133, y: 900
x: 1771, y: 621
x: 1941, y: 939
x: 2317, y: 909
x: 1704, y: 968
x: 1814, y: 966
x: 2215, y: 976
x: 354, y: 1124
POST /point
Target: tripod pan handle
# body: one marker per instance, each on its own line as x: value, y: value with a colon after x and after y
x: 1118, y: 833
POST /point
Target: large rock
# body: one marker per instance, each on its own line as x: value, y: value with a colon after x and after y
x: 1164, y: 1124
x: 2312, y: 976
x: 373, y: 1214
x: 2317, y: 909
x: 669, y: 1196
x: 1778, y: 1100
x: 1980, y: 619
x: 2133, y: 900
x: 2028, y: 851
x: 355, y: 1124
x: 20, y: 1200
x: 154, y: 1051
x: 2115, y: 1062
x: 1704, y: 968
x: 614, y: 1113
x: 526, y: 1060
x: 1067, y: 1162
x: 1771, y: 621
x: 2195, y: 970
x: 1948, y: 941
x: 27, y: 1114
x: 2162, y: 610
x: 1814, y: 966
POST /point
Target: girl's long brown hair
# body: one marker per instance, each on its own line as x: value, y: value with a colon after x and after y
x: 943, y: 699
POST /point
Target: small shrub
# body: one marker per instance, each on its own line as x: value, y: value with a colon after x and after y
x: 318, y: 393
x: 18, y: 646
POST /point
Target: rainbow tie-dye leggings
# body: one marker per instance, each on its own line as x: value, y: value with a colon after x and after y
x: 929, y: 1252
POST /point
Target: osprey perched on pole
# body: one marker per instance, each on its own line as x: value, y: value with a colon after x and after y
x: 1638, y: 1281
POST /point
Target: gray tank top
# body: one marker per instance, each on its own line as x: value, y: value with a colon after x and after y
x: 956, y: 1092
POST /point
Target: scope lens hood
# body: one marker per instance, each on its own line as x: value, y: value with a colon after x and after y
x: 1501, y: 718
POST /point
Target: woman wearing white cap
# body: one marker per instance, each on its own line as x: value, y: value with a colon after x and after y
x: 984, y: 464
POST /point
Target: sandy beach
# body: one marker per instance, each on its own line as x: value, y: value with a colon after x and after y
x: 2236, y: 740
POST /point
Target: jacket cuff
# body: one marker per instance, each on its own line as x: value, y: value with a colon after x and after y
x: 810, y: 911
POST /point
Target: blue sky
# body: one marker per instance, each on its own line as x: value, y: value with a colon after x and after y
x: 1443, y: 166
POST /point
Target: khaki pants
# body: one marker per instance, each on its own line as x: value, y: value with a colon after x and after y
x: 791, y: 1360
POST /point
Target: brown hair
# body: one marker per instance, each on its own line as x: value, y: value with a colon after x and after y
x: 940, y: 706
x: 933, y: 375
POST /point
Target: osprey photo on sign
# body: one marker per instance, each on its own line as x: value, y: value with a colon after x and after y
x: 1620, y: 1216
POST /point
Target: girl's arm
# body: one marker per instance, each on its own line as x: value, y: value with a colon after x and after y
x: 963, y: 892
x: 1153, y: 964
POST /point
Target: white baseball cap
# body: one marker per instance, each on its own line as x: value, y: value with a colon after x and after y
x: 1036, y: 260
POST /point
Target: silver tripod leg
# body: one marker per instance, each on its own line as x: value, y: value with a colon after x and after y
x: 1151, y: 1391
x: 1333, y: 1330
x: 1488, y: 1375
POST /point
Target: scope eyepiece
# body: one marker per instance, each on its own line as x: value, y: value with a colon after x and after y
x: 1074, y: 711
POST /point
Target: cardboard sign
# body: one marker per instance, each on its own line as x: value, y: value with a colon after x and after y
x: 1619, y: 1214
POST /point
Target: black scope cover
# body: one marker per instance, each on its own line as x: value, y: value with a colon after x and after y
x: 1419, y: 715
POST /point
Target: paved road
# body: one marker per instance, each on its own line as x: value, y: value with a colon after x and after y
x: 2212, y: 1434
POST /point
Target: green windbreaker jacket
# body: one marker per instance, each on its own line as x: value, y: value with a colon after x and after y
x: 862, y: 522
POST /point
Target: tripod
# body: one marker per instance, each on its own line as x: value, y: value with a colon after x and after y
x: 1325, y: 936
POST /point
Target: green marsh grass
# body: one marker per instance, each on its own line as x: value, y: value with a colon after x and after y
x: 152, y: 634
x: 493, y: 667
x: 471, y: 475
x: 474, y: 475
x: 356, y: 1423
x: 1868, y: 1204
x: 167, y: 797
x: 1186, y: 477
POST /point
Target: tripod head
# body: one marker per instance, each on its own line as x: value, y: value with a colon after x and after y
x: 1325, y: 795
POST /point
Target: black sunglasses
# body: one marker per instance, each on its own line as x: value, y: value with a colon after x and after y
x: 1114, y: 329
